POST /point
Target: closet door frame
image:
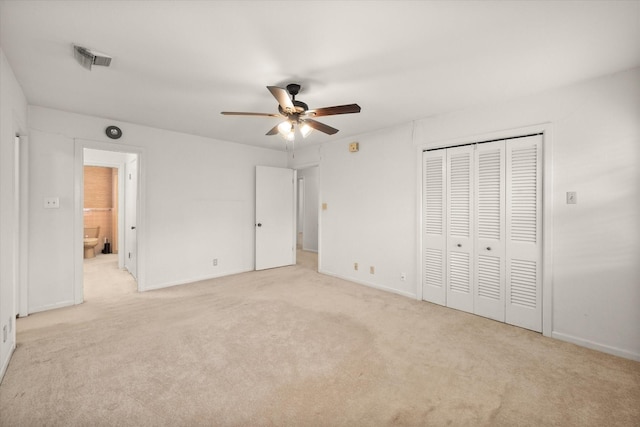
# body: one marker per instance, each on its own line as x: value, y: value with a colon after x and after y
x: 546, y: 129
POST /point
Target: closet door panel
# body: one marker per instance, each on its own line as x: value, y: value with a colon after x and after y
x: 523, y: 246
x: 459, y: 214
x: 489, y: 255
x: 434, y: 226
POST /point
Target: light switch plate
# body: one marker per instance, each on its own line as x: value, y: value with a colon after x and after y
x: 51, y: 202
x: 572, y: 197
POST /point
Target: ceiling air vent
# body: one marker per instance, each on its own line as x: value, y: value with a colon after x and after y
x: 87, y: 57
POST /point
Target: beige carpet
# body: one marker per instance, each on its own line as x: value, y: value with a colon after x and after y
x: 292, y: 347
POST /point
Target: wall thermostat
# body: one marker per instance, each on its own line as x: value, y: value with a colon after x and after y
x: 113, y: 132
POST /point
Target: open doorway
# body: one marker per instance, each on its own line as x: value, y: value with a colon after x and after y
x: 307, y: 228
x: 109, y: 207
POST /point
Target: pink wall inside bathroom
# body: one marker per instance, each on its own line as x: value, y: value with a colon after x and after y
x: 99, y: 207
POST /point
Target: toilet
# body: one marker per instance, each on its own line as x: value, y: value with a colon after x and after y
x: 90, y: 241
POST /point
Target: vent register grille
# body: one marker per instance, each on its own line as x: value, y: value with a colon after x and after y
x: 88, y: 58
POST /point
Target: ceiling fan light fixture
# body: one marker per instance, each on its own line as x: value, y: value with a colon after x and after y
x: 285, y: 127
x: 305, y: 130
x: 290, y: 136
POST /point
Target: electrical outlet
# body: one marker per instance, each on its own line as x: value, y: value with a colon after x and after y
x: 403, y: 276
x: 372, y: 270
x: 51, y: 202
x: 572, y: 197
x: 215, y: 262
x: 4, y: 333
x: 10, y: 323
x: 355, y: 266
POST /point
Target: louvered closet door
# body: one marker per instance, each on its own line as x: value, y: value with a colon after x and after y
x: 523, y: 245
x: 459, y: 215
x: 434, y: 227
x: 489, y: 255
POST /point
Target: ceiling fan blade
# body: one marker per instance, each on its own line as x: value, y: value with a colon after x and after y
x: 282, y: 96
x: 274, y: 130
x: 332, y: 111
x: 321, y: 127
x: 240, y: 113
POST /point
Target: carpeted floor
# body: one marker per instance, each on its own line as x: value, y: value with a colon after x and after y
x: 292, y: 347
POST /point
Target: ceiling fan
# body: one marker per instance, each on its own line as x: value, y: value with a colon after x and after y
x: 297, y: 113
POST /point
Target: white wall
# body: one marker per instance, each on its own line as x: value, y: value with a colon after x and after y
x: 372, y: 198
x: 13, y: 118
x: 370, y: 215
x: 199, y: 203
x: 596, y: 243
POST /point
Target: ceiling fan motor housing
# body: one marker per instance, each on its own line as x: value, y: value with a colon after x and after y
x: 293, y: 89
x: 300, y: 107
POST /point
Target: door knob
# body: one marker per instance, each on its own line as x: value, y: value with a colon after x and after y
x: 259, y: 224
x: 133, y: 227
x: 488, y: 248
x: 459, y: 245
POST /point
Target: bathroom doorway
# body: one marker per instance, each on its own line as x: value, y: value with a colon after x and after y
x: 307, y: 228
x: 110, y: 205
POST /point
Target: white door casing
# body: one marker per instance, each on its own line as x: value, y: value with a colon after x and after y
x: 130, y: 217
x: 275, y: 223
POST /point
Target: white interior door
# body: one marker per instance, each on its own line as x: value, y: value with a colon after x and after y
x: 523, y: 240
x: 434, y: 242
x: 275, y: 217
x: 130, y: 217
x: 489, y: 198
x: 460, y: 224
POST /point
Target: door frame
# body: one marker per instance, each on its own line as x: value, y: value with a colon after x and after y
x: 547, y: 206
x: 120, y: 230
x: 319, y: 166
x: 80, y: 145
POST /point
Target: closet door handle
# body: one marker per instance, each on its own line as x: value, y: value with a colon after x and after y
x: 459, y: 245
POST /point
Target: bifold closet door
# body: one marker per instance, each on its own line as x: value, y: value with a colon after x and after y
x: 460, y: 228
x: 524, y: 231
x: 482, y: 229
x: 434, y: 227
x: 489, y: 255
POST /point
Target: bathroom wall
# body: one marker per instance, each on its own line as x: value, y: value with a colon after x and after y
x: 99, y: 199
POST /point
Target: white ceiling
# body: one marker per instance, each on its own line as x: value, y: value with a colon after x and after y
x: 177, y: 64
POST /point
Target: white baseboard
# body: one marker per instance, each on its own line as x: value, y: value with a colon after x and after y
x: 5, y: 363
x: 191, y: 280
x: 370, y: 285
x: 60, y: 304
x: 596, y: 346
